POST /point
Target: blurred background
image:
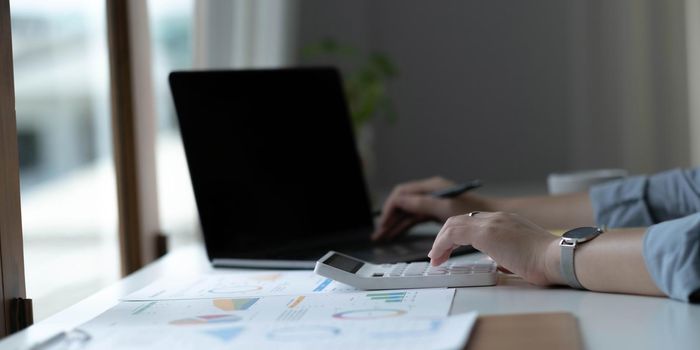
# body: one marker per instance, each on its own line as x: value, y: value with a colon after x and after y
x: 504, y: 91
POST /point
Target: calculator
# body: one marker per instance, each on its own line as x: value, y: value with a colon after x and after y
x: 364, y: 275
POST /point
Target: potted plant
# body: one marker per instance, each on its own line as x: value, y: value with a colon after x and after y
x: 365, y: 78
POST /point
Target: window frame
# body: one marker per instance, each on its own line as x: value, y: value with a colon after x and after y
x: 133, y: 127
x: 13, y: 316
x: 134, y: 132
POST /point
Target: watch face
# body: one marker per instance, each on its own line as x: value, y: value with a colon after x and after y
x: 582, y: 233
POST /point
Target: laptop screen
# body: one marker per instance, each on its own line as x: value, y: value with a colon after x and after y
x: 272, y: 159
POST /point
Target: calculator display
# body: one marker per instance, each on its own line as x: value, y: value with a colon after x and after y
x: 344, y: 263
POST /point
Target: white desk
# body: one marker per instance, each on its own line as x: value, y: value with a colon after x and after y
x: 607, y: 321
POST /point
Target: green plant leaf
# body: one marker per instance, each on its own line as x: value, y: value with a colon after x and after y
x: 383, y: 64
x: 365, y: 84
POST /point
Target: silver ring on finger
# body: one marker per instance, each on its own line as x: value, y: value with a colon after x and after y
x: 473, y: 213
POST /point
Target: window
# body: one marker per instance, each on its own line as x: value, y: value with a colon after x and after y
x: 171, y: 27
x: 67, y: 174
x: 64, y: 128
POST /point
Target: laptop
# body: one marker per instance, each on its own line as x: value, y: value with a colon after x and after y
x: 276, y: 175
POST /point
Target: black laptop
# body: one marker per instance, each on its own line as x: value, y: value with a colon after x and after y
x: 275, y: 171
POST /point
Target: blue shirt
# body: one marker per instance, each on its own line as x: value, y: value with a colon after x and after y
x: 669, y: 204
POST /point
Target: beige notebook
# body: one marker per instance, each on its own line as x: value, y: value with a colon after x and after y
x: 539, y: 331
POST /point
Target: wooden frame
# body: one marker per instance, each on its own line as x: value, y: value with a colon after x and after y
x: 133, y: 124
x: 12, y: 288
x: 134, y: 158
x: 123, y: 135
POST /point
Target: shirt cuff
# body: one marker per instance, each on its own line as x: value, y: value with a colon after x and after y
x: 672, y: 256
x: 621, y: 203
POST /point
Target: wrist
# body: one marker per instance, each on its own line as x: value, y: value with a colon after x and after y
x: 552, y: 266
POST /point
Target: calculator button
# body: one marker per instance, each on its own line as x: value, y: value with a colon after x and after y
x: 437, y: 268
x: 461, y: 271
x: 414, y: 269
x: 462, y: 264
x: 418, y: 264
x: 398, y: 268
x: 397, y: 271
x: 413, y: 273
x: 461, y: 267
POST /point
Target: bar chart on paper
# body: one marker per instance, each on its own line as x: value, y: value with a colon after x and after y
x: 388, y: 297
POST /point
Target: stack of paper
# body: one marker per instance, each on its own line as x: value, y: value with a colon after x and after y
x: 295, y: 309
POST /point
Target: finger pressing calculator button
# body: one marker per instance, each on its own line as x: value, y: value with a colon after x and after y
x: 436, y: 270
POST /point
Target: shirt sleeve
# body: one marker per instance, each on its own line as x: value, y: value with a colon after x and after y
x: 646, y: 200
x: 672, y: 256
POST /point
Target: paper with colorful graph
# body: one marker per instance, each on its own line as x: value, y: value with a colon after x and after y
x: 409, y: 319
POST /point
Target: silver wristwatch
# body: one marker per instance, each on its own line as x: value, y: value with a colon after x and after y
x: 569, y: 241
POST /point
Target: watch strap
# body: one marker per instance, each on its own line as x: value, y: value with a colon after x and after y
x: 568, y: 270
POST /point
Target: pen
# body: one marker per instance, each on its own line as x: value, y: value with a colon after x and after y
x: 457, y: 189
x: 450, y: 192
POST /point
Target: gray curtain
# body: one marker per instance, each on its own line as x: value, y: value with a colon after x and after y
x: 245, y: 33
x: 629, y: 97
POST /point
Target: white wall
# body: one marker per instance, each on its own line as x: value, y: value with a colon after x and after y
x: 510, y: 90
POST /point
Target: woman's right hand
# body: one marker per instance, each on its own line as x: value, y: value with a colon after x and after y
x: 412, y: 203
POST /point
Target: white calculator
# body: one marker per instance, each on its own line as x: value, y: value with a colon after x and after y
x: 364, y: 275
